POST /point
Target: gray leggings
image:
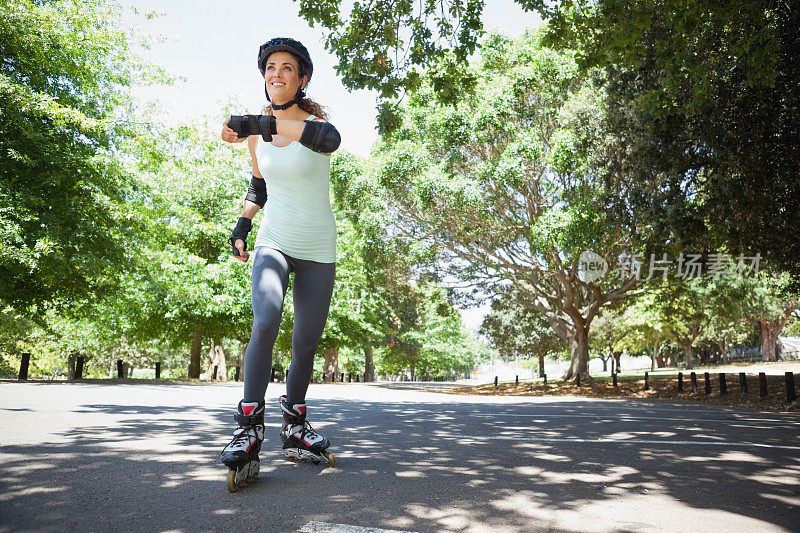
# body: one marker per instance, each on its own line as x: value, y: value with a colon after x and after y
x: 312, y: 290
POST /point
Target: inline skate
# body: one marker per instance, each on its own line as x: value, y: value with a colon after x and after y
x: 300, y: 441
x: 241, y: 453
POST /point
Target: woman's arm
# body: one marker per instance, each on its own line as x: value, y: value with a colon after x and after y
x: 317, y: 135
x: 249, y: 210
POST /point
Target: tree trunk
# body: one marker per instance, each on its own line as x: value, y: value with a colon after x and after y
x: 216, y: 356
x: 616, y: 356
x: 369, y: 364
x: 71, y: 362
x: 112, y: 369
x: 770, y: 331
x: 688, y: 356
x: 331, y: 367
x: 656, y: 350
x: 541, y: 364
x: 605, y: 363
x: 723, y: 348
x: 579, y: 353
x: 197, y: 346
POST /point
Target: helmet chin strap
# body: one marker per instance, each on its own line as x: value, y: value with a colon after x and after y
x: 280, y: 107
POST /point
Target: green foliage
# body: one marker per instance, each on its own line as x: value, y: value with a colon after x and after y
x: 64, y: 224
x: 191, y: 190
x: 516, y: 329
x: 703, y: 110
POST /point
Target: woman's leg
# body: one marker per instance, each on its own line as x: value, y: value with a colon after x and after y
x: 270, y: 279
x: 312, y: 290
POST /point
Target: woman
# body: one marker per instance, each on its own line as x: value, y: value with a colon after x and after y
x: 290, y: 147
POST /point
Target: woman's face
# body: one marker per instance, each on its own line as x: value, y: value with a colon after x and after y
x: 282, y: 76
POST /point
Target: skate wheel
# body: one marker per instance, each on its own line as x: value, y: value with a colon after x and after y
x: 230, y: 481
x: 331, y: 459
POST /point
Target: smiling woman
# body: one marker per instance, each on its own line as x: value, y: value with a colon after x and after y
x: 289, y: 148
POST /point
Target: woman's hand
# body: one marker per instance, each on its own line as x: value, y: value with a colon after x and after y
x: 243, y: 255
x: 229, y: 135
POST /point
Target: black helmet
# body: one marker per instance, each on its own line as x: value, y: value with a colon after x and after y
x: 285, y: 44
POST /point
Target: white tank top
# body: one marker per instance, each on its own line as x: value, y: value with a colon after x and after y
x: 298, y: 219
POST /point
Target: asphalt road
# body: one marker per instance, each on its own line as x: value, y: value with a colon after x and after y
x: 141, y: 457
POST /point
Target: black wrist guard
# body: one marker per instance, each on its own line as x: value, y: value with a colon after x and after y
x: 322, y: 137
x: 246, y: 125
x: 257, y: 191
x: 242, y: 229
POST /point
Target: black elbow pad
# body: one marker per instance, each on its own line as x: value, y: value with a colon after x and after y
x: 257, y: 191
x: 322, y: 137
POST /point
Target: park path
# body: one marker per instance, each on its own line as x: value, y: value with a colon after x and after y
x: 143, y: 457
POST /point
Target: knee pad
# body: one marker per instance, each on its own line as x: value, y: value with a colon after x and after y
x: 321, y: 137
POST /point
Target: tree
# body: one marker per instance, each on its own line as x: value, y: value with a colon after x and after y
x: 516, y: 328
x: 704, y: 107
x: 610, y: 332
x: 502, y: 190
x: 64, y: 225
x: 186, y: 286
x: 703, y: 101
x: 767, y: 302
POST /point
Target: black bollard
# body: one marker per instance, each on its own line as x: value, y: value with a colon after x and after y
x: 614, y: 379
x: 158, y: 370
x: 79, y: 367
x: 342, y: 377
x: 708, y: 383
x: 236, y: 374
x: 578, y: 379
x: 723, y: 385
x: 694, y: 382
x: 545, y: 380
x: 762, y: 384
x: 516, y: 381
x: 646, y: 382
x: 23, y: 366
x: 743, y: 382
x: 790, y: 392
x: 495, y: 381
x: 680, y: 381
x: 120, y: 373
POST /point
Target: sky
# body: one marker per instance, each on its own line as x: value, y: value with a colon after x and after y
x: 213, y: 47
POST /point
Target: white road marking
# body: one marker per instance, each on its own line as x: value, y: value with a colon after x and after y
x: 623, y: 441
x: 324, y: 527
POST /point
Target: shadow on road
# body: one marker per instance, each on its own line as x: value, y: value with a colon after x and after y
x: 415, y: 466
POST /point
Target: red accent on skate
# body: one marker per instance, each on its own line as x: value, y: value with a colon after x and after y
x: 302, y: 409
x: 247, y: 410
